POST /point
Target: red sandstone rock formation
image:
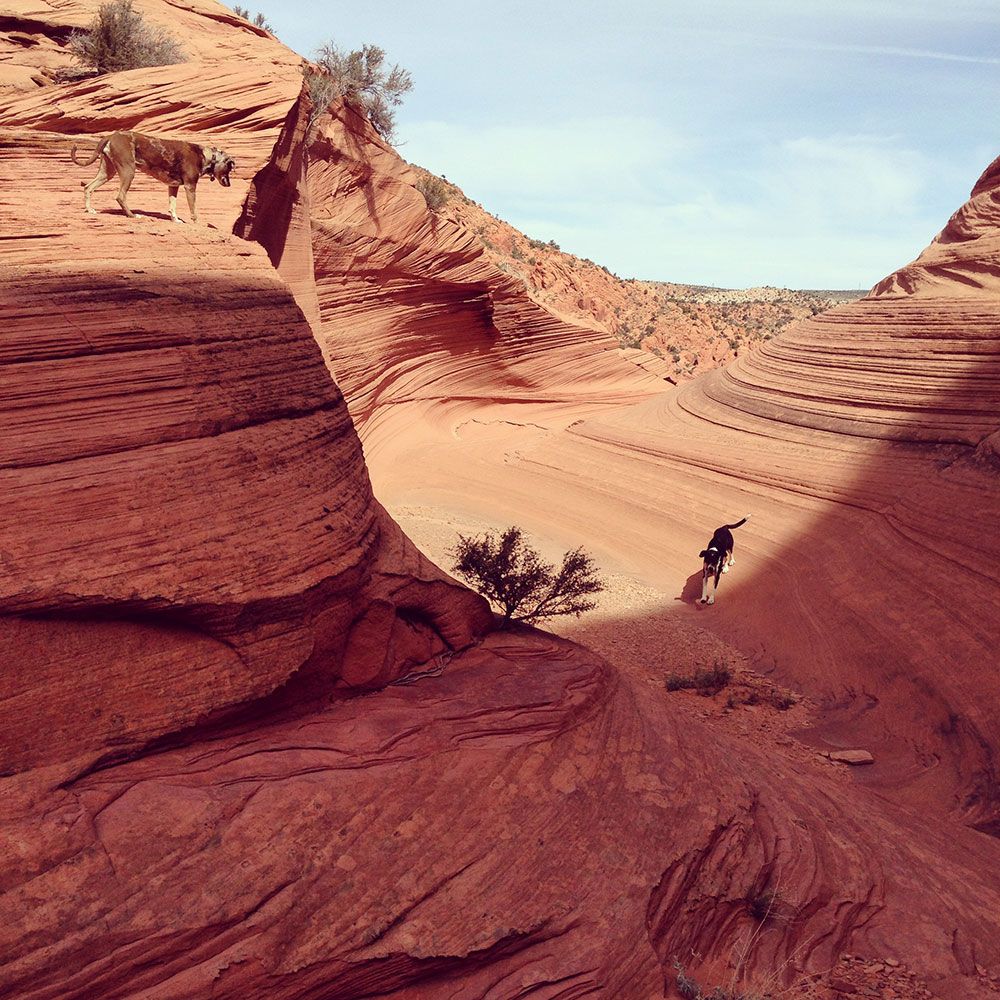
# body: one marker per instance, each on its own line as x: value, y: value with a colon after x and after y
x: 864, y: 443
x: 33, y: 38
x: 408, y: 307
x: 675, y: 331
x: 194, y: 805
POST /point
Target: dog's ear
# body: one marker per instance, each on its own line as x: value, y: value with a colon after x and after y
x: 703, y: 553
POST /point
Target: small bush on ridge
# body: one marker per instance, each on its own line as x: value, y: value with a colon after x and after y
x: 361, y: 74
x: 512, y: 576
x: 258, y: 20
x: 436, y: 192
x: 119, y: 38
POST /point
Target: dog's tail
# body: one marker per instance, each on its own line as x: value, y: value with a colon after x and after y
x: 738, y: 524
x: 98, y: 149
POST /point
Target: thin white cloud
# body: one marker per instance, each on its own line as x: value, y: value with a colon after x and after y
x: 906, y: 11
x: 875, y: 50
x: 810, y: 211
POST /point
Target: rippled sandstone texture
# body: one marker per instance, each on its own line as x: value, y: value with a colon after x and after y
x: 677, y: 331
x: 195, y: 804
x: 863, y: 441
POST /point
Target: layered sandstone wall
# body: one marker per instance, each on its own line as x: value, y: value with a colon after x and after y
x: 197, y: 578
x: 190, y: 523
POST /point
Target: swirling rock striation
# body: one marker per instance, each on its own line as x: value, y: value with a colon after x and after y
x: 196, y: 582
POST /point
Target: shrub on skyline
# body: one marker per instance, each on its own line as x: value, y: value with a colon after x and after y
x: 364, y: 76
x: 435, y: 191
x: 258, y: 20
x: 119, y: 38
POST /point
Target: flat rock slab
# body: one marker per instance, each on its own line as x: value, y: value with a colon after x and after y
x: 851, y: 756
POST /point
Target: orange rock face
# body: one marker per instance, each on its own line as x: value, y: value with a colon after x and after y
x: 675, y: 331
x: 863, y: 442
x: 255, y: 744
x: 33, y: 39
x: 411, y: 311
x: 156, y: 403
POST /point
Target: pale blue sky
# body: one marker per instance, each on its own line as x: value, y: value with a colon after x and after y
x: 813, y: 144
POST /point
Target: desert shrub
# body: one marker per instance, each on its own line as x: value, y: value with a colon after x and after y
x: 543, y: 244
x: 762, y: 905
x: 686, y: 986
x: 436, y: 192
x: 781, y: 700
x: 516, y: 252
x: 511, y: 574
x: 258, y: 19
x: 362, y: 75
x: 119, y: 38
x: 628, y: 337
x: 690, y: 990
x: 707, y: 682
x: 322, y: 92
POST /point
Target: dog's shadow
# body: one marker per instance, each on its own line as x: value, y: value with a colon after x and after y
x: 691, y: 594
x: 160, y: 216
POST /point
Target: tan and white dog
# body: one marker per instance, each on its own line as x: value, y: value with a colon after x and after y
x: 178, y: 164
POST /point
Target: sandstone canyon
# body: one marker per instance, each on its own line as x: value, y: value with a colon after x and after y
x: 679, y: 331
x: 256, y: 743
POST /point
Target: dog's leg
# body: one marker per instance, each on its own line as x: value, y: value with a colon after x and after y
x: 189, y: 190
x: 88, y: 189
x: 715, y: 589
x: 704, y: 586
x: 727, y: 562
x: 174, y: 188
x: 127, y: 172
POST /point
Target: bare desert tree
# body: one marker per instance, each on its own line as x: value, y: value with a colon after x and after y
x: 120, y: 38
x: 511, y: 574
x: 363, y: 75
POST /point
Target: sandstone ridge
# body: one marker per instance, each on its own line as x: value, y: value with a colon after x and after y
x: 259, y: 746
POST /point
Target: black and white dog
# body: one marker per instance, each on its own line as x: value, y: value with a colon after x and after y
x: 718, y: 558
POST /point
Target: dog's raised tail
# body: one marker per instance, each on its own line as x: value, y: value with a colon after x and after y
x: 739, y: 524
x: 98, y: 149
